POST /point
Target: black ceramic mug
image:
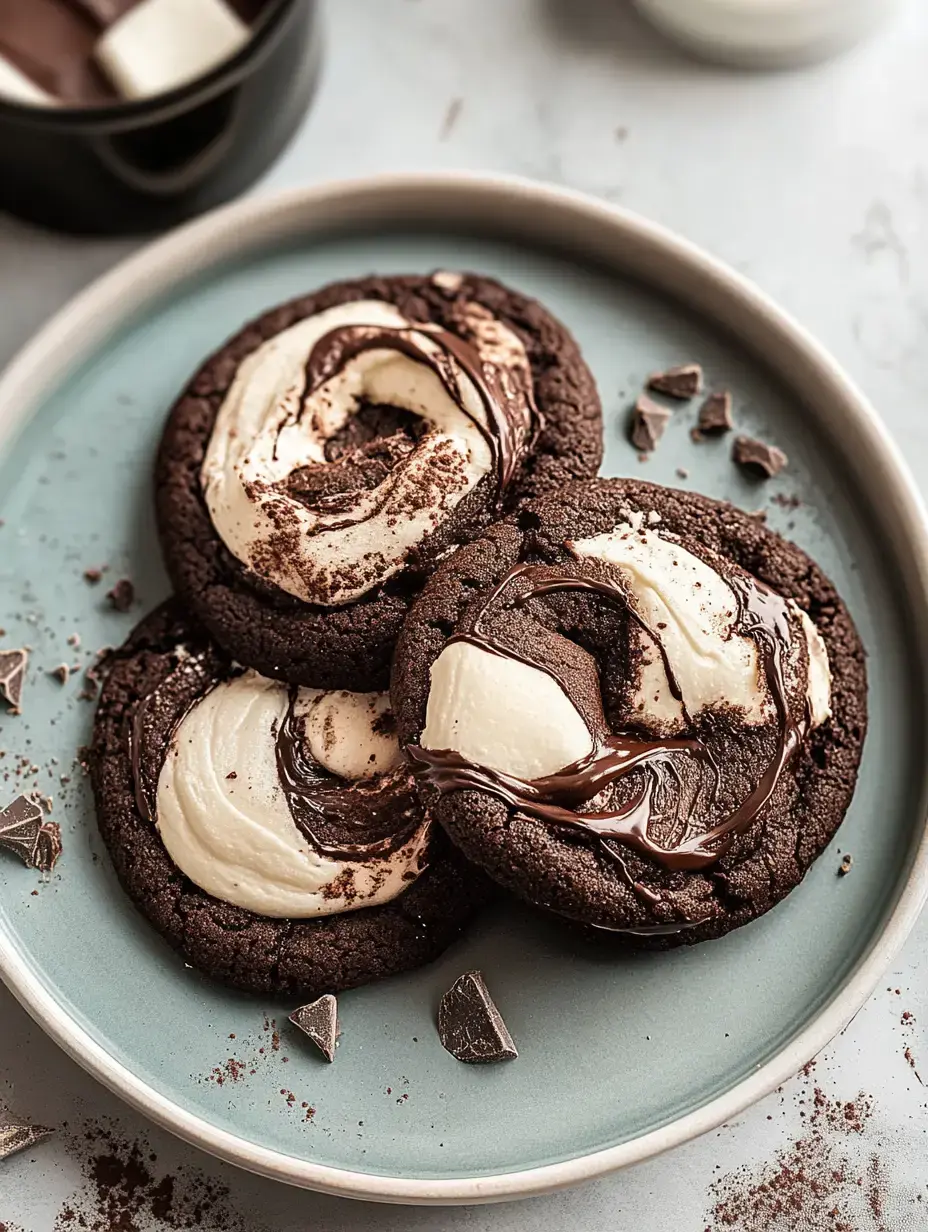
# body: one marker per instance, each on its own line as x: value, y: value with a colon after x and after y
x: 142, y: 166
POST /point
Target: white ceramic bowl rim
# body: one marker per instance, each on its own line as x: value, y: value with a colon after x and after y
x: 546, y: 214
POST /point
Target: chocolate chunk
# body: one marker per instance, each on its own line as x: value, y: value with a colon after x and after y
x: 24, y: 831
x: 648, y: 423
x: 49, y: 847
x: 17, y: 1136
x: 470, y: 1026
x: 13, y: 675
x: 758, y: 457
x: 684, y: 381
x: 319, y: 1020
x: 122, y: 596
x: 715, y: 414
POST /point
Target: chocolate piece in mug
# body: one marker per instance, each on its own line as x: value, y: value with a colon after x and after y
x: 470, y: 1026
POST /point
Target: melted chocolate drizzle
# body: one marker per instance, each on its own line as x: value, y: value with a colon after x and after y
x: 512, y: 422
x: 373, y: 818
x: 557, y: 798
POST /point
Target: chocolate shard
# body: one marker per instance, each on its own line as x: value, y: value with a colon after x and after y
x: 648, y: 423
x: 683, y: 381
x: 13, y: 675
x: 20, y: 826
x: 122, y: 596
x: 758, y: 457
x: 715, y: 414
x: 470, y: 1026
x: 319, y: 1020
x: 17, y: 1136
x: 49, y: 846
x: 25, y: 832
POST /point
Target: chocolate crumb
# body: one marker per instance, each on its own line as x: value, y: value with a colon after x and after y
x: 122, y: 596
x: 92, y: 576
x: 758, y: 457
x: 786, y: 502
x: 715, y: 414
x: 470, y: 1026
x: 233, y: 774
x: 847, y: 863
x: 681, y: 382
x: 647, y: 424
x: 74, y: 640
x: 61, y: 673
x: 13, y: 676
x: 682, y: 472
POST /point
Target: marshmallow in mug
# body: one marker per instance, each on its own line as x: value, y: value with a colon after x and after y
x: 140, y: 47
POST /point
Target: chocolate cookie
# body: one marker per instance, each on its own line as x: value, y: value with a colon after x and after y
x: 319, y: 466
x: 635, y: 707
x: 271, y: 835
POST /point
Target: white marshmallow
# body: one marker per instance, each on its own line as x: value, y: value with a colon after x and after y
x: 162, y: 44
x: 18, y: 88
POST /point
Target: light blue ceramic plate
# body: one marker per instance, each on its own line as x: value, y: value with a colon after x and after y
x: 618, y: 1059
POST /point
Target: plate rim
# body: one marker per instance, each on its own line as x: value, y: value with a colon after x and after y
x: 142, y: 277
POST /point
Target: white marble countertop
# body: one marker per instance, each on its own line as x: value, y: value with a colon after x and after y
x: 815, y: 184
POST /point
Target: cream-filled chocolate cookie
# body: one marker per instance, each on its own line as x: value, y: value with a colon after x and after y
x: 635, y: 707
x: 271, y: 833
x: 321, y: 464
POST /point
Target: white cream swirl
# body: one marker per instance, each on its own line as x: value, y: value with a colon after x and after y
x: 516, y: 719
x: 223, y: 816
x: 268, y: 428
x: 693, y: 610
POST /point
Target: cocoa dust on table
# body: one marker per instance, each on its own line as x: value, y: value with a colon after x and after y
x: 123, y: 1189
x: 814, y: 1182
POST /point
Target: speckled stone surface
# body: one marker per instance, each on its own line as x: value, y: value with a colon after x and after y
x: 814, y: 184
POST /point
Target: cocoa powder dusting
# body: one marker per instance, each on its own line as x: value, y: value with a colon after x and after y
x: 812, y: 1182
x: 124, y: 1190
